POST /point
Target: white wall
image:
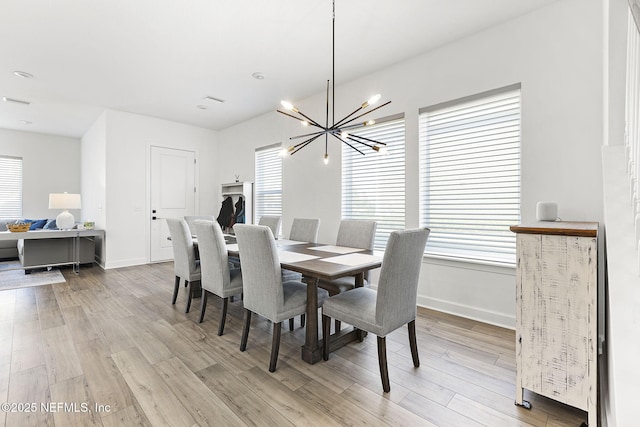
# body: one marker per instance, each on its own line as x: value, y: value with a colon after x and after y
x: 93, y: 179
x: 553, y: 53
x: 51, y: 164
x: 126, y: 206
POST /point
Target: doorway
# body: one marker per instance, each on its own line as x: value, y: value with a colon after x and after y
x: 173, y: 195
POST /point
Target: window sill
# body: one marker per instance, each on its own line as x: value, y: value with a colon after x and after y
x: 471, y: 264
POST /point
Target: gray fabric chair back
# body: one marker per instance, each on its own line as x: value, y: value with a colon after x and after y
x: 214, y: 259
x: 273, y: 222
x: 192, y: 218
x: 305, y: 230
x: 356, y: 233
x: 184, y: 256
x: 398, y: 284
x: 261, y: 275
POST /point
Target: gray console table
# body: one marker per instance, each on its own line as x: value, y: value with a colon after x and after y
x: 56, y: 234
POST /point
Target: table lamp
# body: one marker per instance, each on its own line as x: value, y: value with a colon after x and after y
x: 65, y: 201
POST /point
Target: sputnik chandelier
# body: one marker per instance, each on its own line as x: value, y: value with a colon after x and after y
x: 340, y: 129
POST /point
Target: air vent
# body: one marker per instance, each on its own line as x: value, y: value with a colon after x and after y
x: 17, y: 101
x: 211, y: 98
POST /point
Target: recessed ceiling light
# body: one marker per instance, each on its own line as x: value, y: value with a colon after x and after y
x: 18, y: 101
x: 23, y: 74
x: 213, y: 98
x: 25, y: 122
x: 202, y: 107
x: 258, y: 76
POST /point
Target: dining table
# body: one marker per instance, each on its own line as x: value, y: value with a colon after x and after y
x: 318, y: 262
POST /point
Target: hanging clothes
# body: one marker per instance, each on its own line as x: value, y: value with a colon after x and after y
x: 240, y: 210
x: 225, y: 217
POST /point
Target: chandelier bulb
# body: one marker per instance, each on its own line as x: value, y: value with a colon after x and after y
x: 375, y: 98
x: 326, y: 158
x: 288, y: 106
x: 344, y: 135
x: 304, y: 123
x: 370, y: 123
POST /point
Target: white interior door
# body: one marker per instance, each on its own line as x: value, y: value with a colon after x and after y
x: 172, y: 195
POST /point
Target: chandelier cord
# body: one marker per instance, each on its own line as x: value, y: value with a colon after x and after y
x: 333, y: 63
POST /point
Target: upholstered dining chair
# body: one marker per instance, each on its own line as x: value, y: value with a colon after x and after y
x: 394, y: 303
x: 184, y: 258
x: 273, y: 222
x: 217, y: 278
x: 353, y: 233
x: 264, y: 292
x: 192, y: 218
x: 304, y: 230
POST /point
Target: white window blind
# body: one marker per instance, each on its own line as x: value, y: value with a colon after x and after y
x: 268, y: 181
x: 470, y: 176
x: 10, y: 187
x: 373, y: 185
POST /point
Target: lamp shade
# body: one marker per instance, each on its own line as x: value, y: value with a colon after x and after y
x: 64, y: 201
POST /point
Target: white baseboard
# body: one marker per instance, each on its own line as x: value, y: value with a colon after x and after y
x: 470, y: 312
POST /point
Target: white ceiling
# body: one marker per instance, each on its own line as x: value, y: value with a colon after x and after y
x: 160, y: 58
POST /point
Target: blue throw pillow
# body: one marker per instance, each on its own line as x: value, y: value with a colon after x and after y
x: 51, y: 225
x: 38, y: 224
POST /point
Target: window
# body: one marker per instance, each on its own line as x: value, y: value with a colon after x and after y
x: 470, y: 176
x: 373, y: 184
x: 268, y: 185
x: 632, y: 105
x: 10, y: 187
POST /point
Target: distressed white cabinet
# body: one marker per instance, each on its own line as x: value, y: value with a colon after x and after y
x: 557, y: 313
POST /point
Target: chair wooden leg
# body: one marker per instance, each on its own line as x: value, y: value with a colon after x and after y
x: 245, y: 330
x: 203, y: 306
x: 326, y: 334
x: 413, y: 343
x: 382, y: 361
x: 176, y: 286
x: 303, y: 318
x: 223, y: 316
x: 338, y: 326
x: 190, y: 297
x: 291, y: 324
x: 275, y: 346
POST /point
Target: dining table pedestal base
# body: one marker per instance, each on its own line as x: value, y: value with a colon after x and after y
x: 312, y: 348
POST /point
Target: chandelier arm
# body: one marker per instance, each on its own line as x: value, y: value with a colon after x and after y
x: 359, y: 142
x: 304, y: 144
x: 343, y: 141
x: 342, y: 122
x: 311, y: 122
x: 357, y: 125
x: 336, y: 125
x: 368, y: 139
x: 313, y: 138
x: 308, y: 134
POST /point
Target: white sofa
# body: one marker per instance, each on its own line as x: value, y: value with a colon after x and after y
x: 8, y: 248
x: 38, y: 252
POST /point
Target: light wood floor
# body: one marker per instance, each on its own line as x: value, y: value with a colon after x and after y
x: 110, y: 346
